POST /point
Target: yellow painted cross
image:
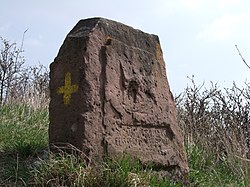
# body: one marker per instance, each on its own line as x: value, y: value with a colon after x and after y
x: 67, y: 89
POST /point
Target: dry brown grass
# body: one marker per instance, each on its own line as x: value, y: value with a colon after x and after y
x: 218, y: 122
x: 32, y: 88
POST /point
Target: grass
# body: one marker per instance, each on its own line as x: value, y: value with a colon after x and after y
x: 67, y: 170
x: 205, y: 170
x: 26, y: 161
x: 23, y: 129
x: 23, y: 135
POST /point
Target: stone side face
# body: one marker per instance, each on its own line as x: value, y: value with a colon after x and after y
x: 110, y: 95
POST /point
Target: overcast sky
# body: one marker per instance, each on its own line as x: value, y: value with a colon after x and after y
x: 198, y: 37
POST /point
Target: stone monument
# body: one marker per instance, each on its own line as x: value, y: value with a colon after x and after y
x: 110, y: 95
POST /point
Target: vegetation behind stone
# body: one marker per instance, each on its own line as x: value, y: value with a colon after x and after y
x: 214, y: 122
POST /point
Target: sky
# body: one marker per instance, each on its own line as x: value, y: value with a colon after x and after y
x: 198, y: 37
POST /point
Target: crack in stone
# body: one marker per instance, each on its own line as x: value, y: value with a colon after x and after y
x: 123, y: 80
x: 103, y: 82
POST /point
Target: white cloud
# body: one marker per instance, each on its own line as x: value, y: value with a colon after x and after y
x: 222, y: 3
x: 194, y: 4
x: 228, y: 26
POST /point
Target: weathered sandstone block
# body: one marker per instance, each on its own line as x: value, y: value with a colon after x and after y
x: 110, y: 95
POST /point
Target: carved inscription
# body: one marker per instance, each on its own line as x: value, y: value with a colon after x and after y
x: 140, y: 138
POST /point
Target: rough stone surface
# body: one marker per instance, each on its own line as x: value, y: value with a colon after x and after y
x: 110, y: 95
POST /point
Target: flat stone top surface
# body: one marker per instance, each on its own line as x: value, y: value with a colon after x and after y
x: 115, y: 30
